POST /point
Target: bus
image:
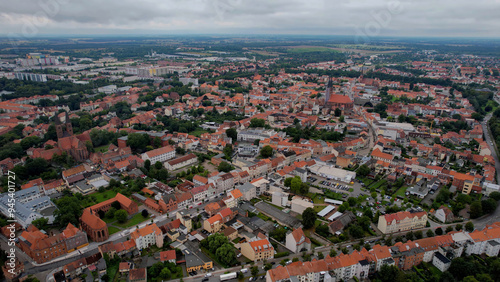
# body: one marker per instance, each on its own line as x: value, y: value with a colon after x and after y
x: 228, y: 276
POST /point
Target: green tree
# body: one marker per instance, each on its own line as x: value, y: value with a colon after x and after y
x: 68, y: 211
x: 458, y: 227
x: 363, y: 170
x: 111, y: 212
x: 430, y: 233
x: 439, y: 231
x: 145, y: 213
x: 266, y: 152
x: 254, y: 270
x: 410, y: 235
x: 121, y: 216
x: 308, y: 218
x: 225, y: 167
x: 257, y: 122
x: 489, y: 206
x: 476, y: 209
x: 338, y: 112
x: 469, y: 226
x: 495, y: 195
x: 40, y: 223
x: 232, y: 133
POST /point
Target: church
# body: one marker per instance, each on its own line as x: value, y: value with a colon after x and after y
x: 67, y: 142
x: 334, y: 101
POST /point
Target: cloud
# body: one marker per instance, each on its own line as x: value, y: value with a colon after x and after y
x: 347, y: 17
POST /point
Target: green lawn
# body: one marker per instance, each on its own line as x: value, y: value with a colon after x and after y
x: 198, y: 132
x: 102, y: 149
x: 109, y: 220
x: 401, y: 191
x: 106, y: 195
x: 351, y: 190
x: 379, y: 184
x: 318, y: 208
x: 113, y: 230
x: 135, y: 220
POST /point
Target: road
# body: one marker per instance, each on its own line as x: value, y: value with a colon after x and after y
x: 490, y: 140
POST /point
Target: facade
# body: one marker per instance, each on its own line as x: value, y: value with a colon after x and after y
x: 258, y: 250
x: 147, y: 236
x: 42, y: 248
x: 444, y: 214
x: 159, y: 155
x: 402, y: 221
x: 181, y: 162
x: 297, y: 241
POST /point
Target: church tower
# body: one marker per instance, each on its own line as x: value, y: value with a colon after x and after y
x: 328, y: 90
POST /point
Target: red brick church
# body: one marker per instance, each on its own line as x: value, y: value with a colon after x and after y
x: 67, y: 142
x: 334, y: 101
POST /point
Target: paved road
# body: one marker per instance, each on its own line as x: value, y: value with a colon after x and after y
x: 490, y: 140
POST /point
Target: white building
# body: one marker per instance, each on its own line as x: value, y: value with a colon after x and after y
x: 159, y: 155
x: 181, y: 162
x: 147, y: 236
x: 297, y: 241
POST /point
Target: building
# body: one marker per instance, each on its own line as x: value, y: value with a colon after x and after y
x: 162, y: 154
x: 402, y: 221
x: 441, y: 262
x: 42, y: 248
x: 444, y: 215
x: 196, y: 260
x: 296, y: 241
x: 299, y: 205
x: 258, y: 250
x: 12, y: 269
x: 168, y: 256
x: 138, y: 275
x: 248, y: 191
x: 214, y: 224
x: 181, y: 162
x: 147, y: 236
x: 94, y: 226
x: 30, y: 204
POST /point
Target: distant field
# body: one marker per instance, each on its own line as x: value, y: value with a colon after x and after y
x: 311, y: 49
x: 343, y: 48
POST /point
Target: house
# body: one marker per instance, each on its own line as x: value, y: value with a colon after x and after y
x: 257, y: 250
x: 215, y: 223
x: 196, y: 260
x: 444, y: 214
x: 401, y: 221
x: 230, y: 233
x: 147, y: 236
x: 296, y: 241
x: 441, y: 262
x: 339, y: 223
x: 169, y: 256
x: 138, y: 275
x: 248, y: 191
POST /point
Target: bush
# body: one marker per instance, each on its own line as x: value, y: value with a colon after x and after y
x: 282, y: 254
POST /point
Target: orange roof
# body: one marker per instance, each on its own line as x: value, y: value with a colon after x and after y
x: 168, y: 255
x: 378, y: 154
x: 236, y: 193
x: 159, y: 151
x: 92, y: 220
x: 146, y: 230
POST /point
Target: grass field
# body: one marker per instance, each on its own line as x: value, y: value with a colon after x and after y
x: 113, y: 230
x: 102, y: 149
x: 106, y: 195
x: 135, y: 220
x: 401, y: 191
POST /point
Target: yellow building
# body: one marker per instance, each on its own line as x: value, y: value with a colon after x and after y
x: 185, y: 220
x: 402, y: 221
x: 213, y: 224
x: 258, y: 250
x: 196, y: 261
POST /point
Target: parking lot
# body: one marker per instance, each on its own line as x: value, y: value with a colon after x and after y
x: 345, y: 189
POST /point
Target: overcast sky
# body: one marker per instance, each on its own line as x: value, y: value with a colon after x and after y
x: 478, y: 18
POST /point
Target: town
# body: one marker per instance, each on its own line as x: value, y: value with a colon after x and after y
x: 221, y: 160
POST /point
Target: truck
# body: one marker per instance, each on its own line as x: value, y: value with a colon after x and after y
x: 228, y: 276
